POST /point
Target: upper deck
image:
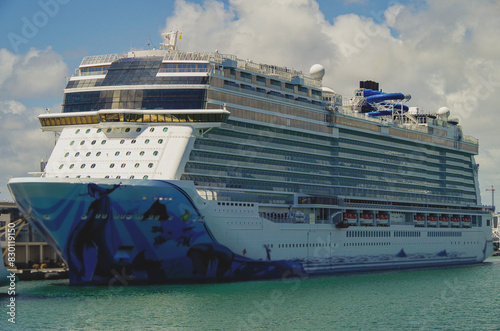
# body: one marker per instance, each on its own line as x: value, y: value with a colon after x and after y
x: 172, y: 79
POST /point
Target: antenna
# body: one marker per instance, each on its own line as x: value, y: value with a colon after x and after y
x: 492, y: 189
x: 171, y: 40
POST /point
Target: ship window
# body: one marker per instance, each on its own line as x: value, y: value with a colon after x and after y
x: 112, y: 165
x: 98, y: 154
x: 133, y: 141
x: 87, y: 131
x: 141, y: 153
x: 131, y: 177
x: 88, y: 154
x: 118, y: 176
x: 117, y: 153
x: 108, y: 130
x: 77, y: 131
x: 72, y: 143
x: 165, y: 129
x: 138, y: 130
x: 93, y: 142
x: 66, y: 155
x: 93, y: 166
x: 82, y: 166
x: 106, y: 177
x: 155, y: 153
x: 122, y: 141
x: 103, y: 142
x: 123, y: 165
x: 146, y: 141
x: 61, y: 166
x: 82, y: 142
x: 77, y: 154
x: 72, y: 166
x: 99, y: 130
x: 145, y: 177
x: 136, y: 165
x: 160, y: 141
x: 150, y: 165
x: 151, y: 130
x: 127, y: 129
x: 128, y: 153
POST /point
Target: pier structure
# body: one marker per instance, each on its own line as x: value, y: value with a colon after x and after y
x: 32, y: 252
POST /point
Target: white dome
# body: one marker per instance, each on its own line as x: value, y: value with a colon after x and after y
x: 317, y: 71
x: 444, y: 111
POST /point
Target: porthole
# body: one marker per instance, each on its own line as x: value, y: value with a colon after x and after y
x: 87, y: 131
x: 133, y: 141
x: 150, y: 165
x: 155, y: 153
x: 72, y: 166
x: 93, y: 142
x: 99, y: 130
x: 138, y: 130
x: 128, y: 153
x: 118, y: 177
x: 108, y: 130
x: 151, y: 130
x: 112, y: 165
x: 146, y: 141
x: 160, y: 141
x: 117, y: 153
x: 88, y: 154
x: 165, y: 129
x: 82, y: 142
x: 123, y: 165
x: 122, y: 141
x: 141, y: 153
x: 66, y: 155
x: 136, y: 165
x: 82, y: 166
x: 103, y: 142
x: 106, y: 177
x: 145, y: 177
x: 131, y: 177
x: 77, y: 154
x: 77, y: 131
x: 72, y: 143
x: 93, y: 166
x: 98, y: 154
x: 127, y: 130
x: 61, y: 166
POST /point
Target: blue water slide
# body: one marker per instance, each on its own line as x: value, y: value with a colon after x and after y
x: 384, y: 96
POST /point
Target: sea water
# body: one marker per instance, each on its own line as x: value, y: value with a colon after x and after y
x: 456, y: 298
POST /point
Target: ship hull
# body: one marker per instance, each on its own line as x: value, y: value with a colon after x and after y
x: 133, y: 232
x: 153, y: 231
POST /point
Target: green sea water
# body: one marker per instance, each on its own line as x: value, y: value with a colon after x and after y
x: 457, y: 298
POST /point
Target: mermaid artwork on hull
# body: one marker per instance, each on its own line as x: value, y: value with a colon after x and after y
x: 157, y: 245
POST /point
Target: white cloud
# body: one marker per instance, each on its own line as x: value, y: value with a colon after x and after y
x: 443, y: 52
x: 38, y: 73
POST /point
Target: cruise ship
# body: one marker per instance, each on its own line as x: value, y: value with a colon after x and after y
x: 174, y: 166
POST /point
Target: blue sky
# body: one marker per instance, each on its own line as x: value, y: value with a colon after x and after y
x: 443, y: 52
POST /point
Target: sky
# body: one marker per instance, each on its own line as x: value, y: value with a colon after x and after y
x: 442, y: 52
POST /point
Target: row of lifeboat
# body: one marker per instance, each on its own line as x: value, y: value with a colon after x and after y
x: 350, y: 218
x: 433, y: 220
x: 365, y: 219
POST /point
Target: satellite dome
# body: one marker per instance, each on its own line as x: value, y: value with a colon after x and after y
x: 444, y: 113
x: 317, y: 71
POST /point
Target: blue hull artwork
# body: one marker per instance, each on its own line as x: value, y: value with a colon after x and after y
x: 135, y: 232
